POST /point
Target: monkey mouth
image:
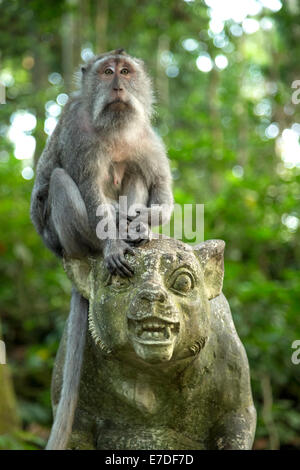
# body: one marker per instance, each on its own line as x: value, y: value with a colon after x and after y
x: 117, y: 104
x: 153, y: 330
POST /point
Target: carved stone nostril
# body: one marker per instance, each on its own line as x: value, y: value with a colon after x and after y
x: 152, y: 296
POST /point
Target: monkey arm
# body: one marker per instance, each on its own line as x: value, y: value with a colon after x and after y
x: 156, y: 172
x: 160, y: 204
x: 157, y: 212
x: 160, y: 201
x: 103, y: 222
x: 38, y: 206
x: 46, y: 164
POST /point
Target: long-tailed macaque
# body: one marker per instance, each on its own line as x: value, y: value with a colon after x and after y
x: 102, y: 148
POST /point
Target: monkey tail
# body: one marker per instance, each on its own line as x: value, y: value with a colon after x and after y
x: 64, y: 416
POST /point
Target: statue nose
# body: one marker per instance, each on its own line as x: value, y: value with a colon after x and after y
x: 153, y: 293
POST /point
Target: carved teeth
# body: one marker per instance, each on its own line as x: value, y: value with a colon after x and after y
x: 154, y: 328
x: 167, y: 332
x: 152, y: 334
x: 150, y: 326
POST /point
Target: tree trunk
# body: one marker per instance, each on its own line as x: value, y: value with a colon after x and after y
x: 162, y: 81
x: 8, y: 408
x: 101, y: 25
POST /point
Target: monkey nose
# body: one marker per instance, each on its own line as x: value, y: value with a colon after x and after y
x: 117, y: 88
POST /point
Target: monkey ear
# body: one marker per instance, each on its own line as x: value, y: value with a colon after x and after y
x: 79, y: 271
x: 139, y: 61
x: 211, y: 257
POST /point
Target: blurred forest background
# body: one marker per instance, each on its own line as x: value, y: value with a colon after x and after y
x: 223, y: 72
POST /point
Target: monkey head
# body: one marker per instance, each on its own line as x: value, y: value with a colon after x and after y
x: 116, y: 89
x: 162, y: 313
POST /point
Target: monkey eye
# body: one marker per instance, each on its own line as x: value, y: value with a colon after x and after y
x: 108, y: 71
x: 124, y: 71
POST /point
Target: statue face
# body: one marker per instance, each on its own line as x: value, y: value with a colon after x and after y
x: 161, y: 313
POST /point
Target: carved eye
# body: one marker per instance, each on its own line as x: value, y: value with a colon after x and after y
x: 183, y: 283
x: 124, y: 71
x: 120, y: 282
x: 108, y: 71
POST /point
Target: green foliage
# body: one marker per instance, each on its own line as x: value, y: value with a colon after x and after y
x: 214, y: 125
x: 21, y: 440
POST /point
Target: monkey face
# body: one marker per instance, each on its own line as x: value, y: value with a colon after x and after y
x: 162, y: 313
x: 118, y: 89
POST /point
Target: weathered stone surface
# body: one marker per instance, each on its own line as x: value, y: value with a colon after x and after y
x: 9, y: 420
x: 164, y: 367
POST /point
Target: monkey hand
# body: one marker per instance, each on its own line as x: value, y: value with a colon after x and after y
x: 114, y: 257
x: 123, y: 217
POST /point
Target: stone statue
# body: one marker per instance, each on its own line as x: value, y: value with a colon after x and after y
x: 164, y: 367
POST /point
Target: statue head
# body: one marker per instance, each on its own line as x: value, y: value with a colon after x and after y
x: 162, y: 313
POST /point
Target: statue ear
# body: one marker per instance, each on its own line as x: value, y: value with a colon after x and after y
x: 211, y: 257
x: 79, y: 271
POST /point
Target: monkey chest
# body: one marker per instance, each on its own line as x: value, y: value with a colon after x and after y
x: 114, y: 179
x: 117, y: 173
x: 123, y: 179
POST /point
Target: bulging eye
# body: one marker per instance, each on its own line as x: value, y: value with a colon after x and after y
x: 183, y: 283
x: 108, y: 71
x: 124, y: 71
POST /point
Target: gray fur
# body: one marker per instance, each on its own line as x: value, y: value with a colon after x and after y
x: 92, y: 140
x: 77, y: 326
x: 95, y: 140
